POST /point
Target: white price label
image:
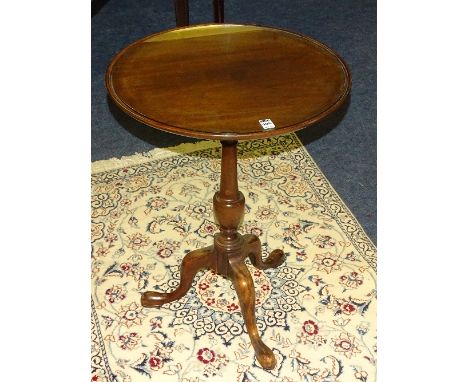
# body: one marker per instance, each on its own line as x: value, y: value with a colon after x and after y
x: 267, y: 124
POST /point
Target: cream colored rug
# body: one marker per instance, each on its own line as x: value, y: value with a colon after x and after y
x: 317, y: 311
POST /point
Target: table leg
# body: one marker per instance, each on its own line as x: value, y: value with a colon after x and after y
x: 191, y: 264
x: 227, y: 255
x: 245, y: 289
x: 254, y: 250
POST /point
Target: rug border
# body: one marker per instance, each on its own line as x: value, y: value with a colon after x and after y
x: 148, y: 156
x: 336, y: 194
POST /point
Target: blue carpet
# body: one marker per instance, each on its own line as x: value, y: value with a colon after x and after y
x: 344, y: 146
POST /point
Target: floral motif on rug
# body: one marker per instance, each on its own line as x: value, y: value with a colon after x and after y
x: 317, y: 311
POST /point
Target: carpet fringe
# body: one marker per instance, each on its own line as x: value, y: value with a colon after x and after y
x: 156, y: 153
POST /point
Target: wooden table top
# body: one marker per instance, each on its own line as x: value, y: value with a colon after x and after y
x: 217, y: 81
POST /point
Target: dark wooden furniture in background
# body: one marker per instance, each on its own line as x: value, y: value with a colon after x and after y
x: 217, y: 82
x: 182, y: 12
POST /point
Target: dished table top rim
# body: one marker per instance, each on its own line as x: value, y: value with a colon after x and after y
x: 228, y: 135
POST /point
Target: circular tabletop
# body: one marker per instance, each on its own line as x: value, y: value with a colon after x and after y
x: 223, y: 81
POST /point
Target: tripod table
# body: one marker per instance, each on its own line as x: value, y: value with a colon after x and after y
x: 228, y: 83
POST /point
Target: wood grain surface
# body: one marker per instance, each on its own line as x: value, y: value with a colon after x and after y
x: 217, y: 81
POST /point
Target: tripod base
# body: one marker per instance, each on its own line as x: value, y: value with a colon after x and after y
x: 227, y: 260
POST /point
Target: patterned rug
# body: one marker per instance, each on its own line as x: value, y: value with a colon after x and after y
x: 317, y: 311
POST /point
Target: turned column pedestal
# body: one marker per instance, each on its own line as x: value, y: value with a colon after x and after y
x: 227, y: 254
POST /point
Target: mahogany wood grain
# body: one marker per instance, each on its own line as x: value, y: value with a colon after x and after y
x: 217, y: 81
